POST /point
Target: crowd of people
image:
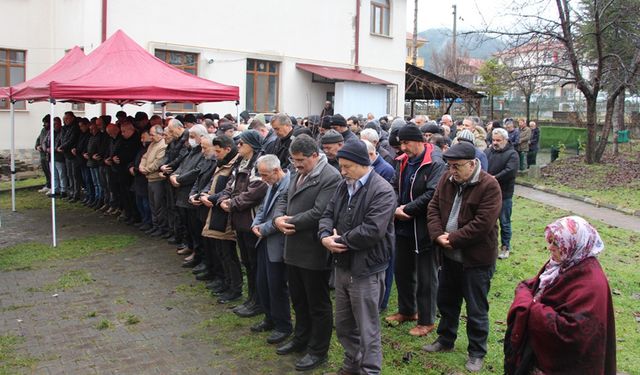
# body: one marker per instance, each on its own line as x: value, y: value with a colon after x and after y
x: 306, y: 205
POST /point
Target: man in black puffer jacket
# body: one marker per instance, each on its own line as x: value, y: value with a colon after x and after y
x: 503, y: 165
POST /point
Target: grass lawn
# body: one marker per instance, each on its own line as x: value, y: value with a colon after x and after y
x: 615, y: 181
x: 403, y: 354
x: 29, y: 182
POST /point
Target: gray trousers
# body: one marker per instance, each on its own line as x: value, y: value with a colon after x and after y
x: 358, y: 320
x: 158, y: 204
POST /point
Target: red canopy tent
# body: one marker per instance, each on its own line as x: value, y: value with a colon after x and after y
x: 35, y: 88
x: 120, y: 71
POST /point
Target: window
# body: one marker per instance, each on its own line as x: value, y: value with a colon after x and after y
x: 184, y: 61
x: 262, y: 86
x: 380, y: 17
x: 12, y: 72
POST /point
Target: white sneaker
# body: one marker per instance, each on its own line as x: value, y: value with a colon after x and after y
x: 44, y: 190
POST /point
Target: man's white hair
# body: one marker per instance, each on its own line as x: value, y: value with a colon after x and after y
x: 269, y: 161
x: 198, y: 130
x: 175, y: 123
x: 501, y: 132
x: 370, y: 135
x: 370, y: 147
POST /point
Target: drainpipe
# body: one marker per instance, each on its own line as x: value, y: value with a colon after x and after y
x: 357, y: 52
x: 103, y: 106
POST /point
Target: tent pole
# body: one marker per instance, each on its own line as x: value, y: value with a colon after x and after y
x: 53, y: 171
x: 238, y: 112
x: 13, y: 156
x: 164, y: 112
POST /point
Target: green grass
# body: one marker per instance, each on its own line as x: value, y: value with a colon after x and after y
x: 32, y: 254
x: 128, y: 318
x: 104, y: 324
x: 30, y: 199
x: 68, y: 280
x: 403, y: 354
x: 29, y: 182
x: 10, y: 361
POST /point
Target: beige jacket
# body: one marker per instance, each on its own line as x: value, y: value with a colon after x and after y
x: 152, y: 160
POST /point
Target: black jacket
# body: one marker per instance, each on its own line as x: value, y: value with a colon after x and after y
x: 503, y: 165
x: 280, y: 148
x: 176, y: 151
x: 423, y: 186
x: 126, y: 150
x: 365, y: 225
x: 93, y: 148
x: 69, y: 138
x: 81, y: 147
x: 140, y: 183
x: 187, y: 173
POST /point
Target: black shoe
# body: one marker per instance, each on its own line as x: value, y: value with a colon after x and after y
x: 246, y: 304
x: 190, y: 263
x: 166, y: 236
x: 63, y: 195
x: 310, y: 361
x: 262, y: 326
x: 229, y: 297
x: 249, y: 312
x: 215, y: 284
x: 156, y: 233
x: 150, y: 230
x: 219, y: 292
x: 276, y: 337
x: 205, y: 276
x: 130, y: 221
x: 199, y: 268
x: 145, y: 227
x: 292, y: 346
x: 171, y: 240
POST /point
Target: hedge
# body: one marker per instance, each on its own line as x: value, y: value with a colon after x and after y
x: 555, y: 135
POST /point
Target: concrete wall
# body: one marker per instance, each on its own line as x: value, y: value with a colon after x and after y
x: 287, y: 31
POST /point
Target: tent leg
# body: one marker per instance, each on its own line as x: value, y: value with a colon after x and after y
x: 164, y: 111
x: 13, y: 156
x: 53, y: 171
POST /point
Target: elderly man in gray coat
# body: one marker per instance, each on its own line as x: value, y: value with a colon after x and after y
x: 297, y: 215
x: 357, y: 227
x: 273, y: 292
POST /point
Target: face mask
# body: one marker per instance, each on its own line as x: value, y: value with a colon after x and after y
x: 192, y: 142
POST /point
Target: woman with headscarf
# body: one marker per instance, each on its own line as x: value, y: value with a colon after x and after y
x: 562, y: 320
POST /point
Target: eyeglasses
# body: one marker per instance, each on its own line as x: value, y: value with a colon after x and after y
x: 457, y: 166
x: 296, y: 161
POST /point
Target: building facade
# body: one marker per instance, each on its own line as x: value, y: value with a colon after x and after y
x: 258, y: 46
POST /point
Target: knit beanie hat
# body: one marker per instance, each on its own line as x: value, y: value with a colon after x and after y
x: 356, y: 151
x: 326, y: 122
x: 338, y: 120
x: 431, y: 128
x: 331, y: 136
x: 410, y: 133
x: 465, y: 135
x: 252, y: 138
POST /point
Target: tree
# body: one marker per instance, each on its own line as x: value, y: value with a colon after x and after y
x: 585, y: 59
x: 442, y: 63
x: 493, y: 76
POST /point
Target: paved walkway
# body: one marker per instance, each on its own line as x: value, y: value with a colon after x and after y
x: 59, y: 327
x: 602, y: 214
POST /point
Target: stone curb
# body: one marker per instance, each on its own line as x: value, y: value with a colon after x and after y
x: 591, y: 201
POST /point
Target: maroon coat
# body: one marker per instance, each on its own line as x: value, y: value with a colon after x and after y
x: 568, y: 329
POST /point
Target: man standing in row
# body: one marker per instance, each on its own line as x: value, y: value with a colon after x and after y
x: 357, y: 228
x: 297, y: 214
x: 416, y: 269
x: 462, y: 220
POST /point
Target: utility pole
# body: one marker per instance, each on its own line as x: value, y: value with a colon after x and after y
x: 454, y: 75
x: 414, y: 59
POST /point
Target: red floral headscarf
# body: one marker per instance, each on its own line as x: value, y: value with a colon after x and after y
x: 576, y: 239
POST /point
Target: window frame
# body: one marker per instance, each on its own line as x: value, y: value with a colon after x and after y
x: 255, y: 73
x: 7, y: 63
x: 178, y: 107
x: 384, y: 6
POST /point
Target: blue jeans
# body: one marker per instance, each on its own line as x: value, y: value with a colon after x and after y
x: 95, y: 181
x: 142, y: 202
x: 505, y: 222
x: 60, y: 177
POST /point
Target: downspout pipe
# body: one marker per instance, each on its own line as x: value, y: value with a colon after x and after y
x: 357, y: 51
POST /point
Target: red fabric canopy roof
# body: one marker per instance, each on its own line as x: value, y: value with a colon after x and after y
x: 120, y: 71
x: 4, y: 92
x: 340, y: 74
x: 37, y: 87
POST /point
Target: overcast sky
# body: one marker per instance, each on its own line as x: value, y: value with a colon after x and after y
x: 472, y: 14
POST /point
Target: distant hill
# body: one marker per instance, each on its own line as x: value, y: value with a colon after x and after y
x: 479, y: 45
